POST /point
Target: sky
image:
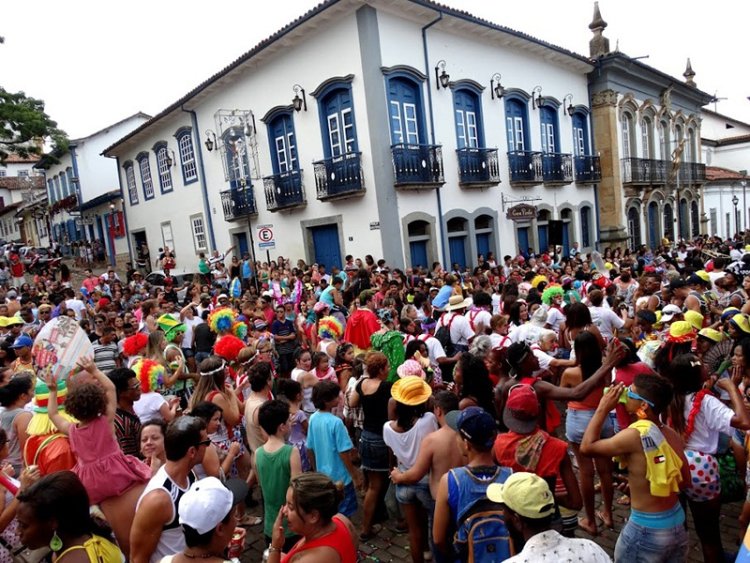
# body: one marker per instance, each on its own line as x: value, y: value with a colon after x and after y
x: 95, y: 63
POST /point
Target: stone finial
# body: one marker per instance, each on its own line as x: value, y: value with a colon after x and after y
x: 689, y: 74
x: 599, y: 45
x: 598, y: 22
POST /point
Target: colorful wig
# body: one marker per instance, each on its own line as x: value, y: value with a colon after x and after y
x: 228, y: 346
x: 221, y: 320
x: 551, y: 292
x: 239, y: 329
x: 537, y: 280
x: 149, y: 373
x: 329, y: 328
x: 134, y: 345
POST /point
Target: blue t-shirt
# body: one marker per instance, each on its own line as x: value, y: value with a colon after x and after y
x: 442, y: 297
x: 327, y: 438
x: 247, y: 270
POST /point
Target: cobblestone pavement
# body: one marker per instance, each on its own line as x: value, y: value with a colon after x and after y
x: 392, y: 547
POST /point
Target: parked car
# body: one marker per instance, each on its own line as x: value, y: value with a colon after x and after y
x: 181, y: 280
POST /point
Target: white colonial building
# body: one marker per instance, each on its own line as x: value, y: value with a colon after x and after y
x: 398, y: 128
x: 22, y: 188
x: 726, y: 151
x: 83, y: 190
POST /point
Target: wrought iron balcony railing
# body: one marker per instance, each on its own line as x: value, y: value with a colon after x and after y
x: 238, y: 204
x: 525, y: 167
x: 339, y: 177
x: 557, y: 168
x: 478, y: 167
x: 284, y: 191
x: 587, y: 169
x: 418, y: 166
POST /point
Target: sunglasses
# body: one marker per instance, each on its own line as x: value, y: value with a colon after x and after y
x: 203, y: 443
x: 635, y: 396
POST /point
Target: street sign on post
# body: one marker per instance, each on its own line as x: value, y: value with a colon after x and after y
x: 266, y: 237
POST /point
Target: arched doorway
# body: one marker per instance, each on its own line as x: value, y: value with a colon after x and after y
x: 419, y: 236
x: 695, y: 219
x: 458, y: 233
x: 634, y: 228
x: 653, y: 225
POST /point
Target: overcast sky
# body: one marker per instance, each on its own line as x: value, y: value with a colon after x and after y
x: 95, y: 63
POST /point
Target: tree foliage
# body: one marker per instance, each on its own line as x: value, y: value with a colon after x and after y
x: 25, y: 127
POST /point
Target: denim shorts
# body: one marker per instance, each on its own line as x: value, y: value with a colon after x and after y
x: 576, y: 422
x: 187, y: 352
x: 348, y: 506
x: 373, y: 452
x: 419, y: 493
x: 641, y: 544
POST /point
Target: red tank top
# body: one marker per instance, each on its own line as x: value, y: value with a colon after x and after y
x: 340, y: 540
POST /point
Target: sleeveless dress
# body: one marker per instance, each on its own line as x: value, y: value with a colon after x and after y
x: 340, y: 540
x: 102, y: 467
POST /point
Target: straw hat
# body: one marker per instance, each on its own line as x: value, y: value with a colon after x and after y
x: 411, y: 390
x: 458, y: 302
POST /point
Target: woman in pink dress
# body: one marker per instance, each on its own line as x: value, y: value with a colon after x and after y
x: 112, y: 479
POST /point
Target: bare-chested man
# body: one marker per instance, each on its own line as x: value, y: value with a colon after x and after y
x: 437, y: 452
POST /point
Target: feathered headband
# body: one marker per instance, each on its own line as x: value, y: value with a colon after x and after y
x: 329, y: 328
x: 149, y: 373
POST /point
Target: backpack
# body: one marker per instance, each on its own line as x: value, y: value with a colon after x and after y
x: 481, y: 533
x: 443, y: 335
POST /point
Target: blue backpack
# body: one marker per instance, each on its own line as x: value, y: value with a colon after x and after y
x: 481, y: 534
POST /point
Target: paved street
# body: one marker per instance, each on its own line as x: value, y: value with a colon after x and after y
x: 391, y: 547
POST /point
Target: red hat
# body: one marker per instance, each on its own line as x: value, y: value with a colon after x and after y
x: 521, y: 409
x: 168, y: 281
x: 103, y: 302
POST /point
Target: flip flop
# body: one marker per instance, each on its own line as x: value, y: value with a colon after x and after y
x: 600, y: 516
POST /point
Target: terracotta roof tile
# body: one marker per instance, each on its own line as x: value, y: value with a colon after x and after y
x: 715, y: 173
x: 21, y: 183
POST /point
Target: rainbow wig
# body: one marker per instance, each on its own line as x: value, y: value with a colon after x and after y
x: 239, y: 329
x: 551, y: 292
x: 149, y: 373
x: 134, y: 345
x: 329, y: 328
x: 221, y: 320
x: 228, y: 347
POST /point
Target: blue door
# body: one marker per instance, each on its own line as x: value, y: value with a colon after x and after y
x: 543, y: 232
x: 566, y: 239
x: 516, y: 119
x: 653, y: 225
x: 523, y: 239
x: 457, y: 247
x: 72, y: 231
x: 418, y: 252
x: 405, y: 111
x: 241, y: 241
x: 548, y: 118
x: 326, y: 246
x: 466, y: 108
x: 483, y: 244
x: 284, y: 146
x: 339, y: 124
x: 580, y: 135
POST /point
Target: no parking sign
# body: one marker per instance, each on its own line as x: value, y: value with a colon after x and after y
x: 266, y: 237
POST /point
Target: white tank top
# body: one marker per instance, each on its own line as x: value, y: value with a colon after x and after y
x: 172, y: 539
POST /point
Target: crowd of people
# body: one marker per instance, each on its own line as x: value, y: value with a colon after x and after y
x: 490, y: 414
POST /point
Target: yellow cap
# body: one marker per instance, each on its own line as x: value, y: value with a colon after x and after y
x: 711, y: 334
x: 411, y: 390
x: 3, y: 322
x: 694, y: 318
x: 526, y: 494
x: 703, y: 274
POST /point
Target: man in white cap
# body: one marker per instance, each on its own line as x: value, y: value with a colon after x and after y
x: 528, y: 507
x: 208, y: 514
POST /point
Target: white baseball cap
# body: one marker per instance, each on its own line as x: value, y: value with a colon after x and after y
x: 208, y: 501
